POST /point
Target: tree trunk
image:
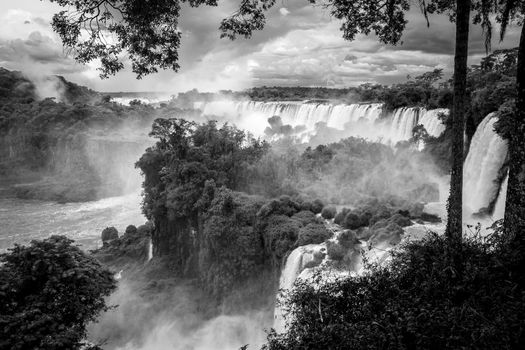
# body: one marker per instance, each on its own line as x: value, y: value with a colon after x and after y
x: 515, y: 204
x: 454, y: 206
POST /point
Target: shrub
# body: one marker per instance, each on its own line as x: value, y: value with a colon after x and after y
x: 352, y: 221
x: 131, y: 229
x: 145, y: 229
x: 418, y: 301
x: 335, y: 251
x: 317, y: 206
x: 400, y: 220
x: 305, y: 217
x: 329, y: 212
x: 347, y: 239
x: 280, y: 235
x: 340, y: 217
x: 312, y: 234
x: 109, y: 233
x: 50, y: 291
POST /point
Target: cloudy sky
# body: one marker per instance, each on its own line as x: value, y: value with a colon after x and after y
x: 301, y: 45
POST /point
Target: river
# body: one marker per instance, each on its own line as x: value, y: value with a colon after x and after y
x: 22, y: 220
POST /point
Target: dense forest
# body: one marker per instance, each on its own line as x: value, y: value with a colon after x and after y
x: 227, y: 209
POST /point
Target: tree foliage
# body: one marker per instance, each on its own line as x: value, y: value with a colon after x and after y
x: 187, y: 155
x: 149, y: 33
x: 418, y: 301
x: 50, y: 290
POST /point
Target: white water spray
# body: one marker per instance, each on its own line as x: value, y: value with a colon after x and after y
x: 362, y: 120
x: 499, y: 208
x: 484, y: 160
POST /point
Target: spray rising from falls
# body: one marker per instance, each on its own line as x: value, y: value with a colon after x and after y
x: 363, y: 120
x: 485, y: 158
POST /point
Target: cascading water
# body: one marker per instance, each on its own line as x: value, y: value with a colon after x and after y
x: 293, y: 113
x: 150, y: 249
x: 499, y: 208
x: 484, y: 160
x: 296, y: 262
x: 404, y: 120
x: 363, y: 120
x: 430, y: 120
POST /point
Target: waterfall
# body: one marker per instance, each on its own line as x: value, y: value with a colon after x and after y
x: 430, y: 120
x: 150, y: 249
x: 499, y: 208
x: 404, y: 120
x: 254, y: 114
x: 298, y: 260
x: 362, y: 120
x: 484, y: 160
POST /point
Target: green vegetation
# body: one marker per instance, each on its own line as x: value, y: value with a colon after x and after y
x: 46, y: 140
x: 50, y: 290
x: 418, y: 301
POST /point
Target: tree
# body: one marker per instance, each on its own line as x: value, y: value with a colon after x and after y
x: 455, y: 200
x: 515, y: 203
x: 50, y: 290
x: 410, y: 303
x: 148, y: 30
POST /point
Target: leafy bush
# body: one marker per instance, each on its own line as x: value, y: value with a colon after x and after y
x: 335, y: 251
x: 280, y: 235
x: 50, y: 290
x: 317, y: 206
x: 421, y: 300
x: 128, y: 249
x: 313, y: 234
x: 108, y: 234
x: 329, y: 212
x: 340, y: 217
x: 131, y: 229
x: 306, y: 217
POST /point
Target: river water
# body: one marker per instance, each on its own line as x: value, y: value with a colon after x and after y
x: 22, y: 220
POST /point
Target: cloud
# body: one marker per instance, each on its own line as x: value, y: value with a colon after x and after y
x: 284, y: 11
x: 300, y: 45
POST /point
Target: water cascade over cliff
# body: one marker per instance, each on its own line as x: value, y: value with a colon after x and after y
x: 363, y: 120
x: 485, y: 158
x: 499, y: 208
x: 298, y: 260
x: 431, y: 121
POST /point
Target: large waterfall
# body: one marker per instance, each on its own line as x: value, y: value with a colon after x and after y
x: 363, y: 120
x: 481, y: 169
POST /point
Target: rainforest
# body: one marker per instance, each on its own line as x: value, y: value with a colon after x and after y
x: 267, y: 217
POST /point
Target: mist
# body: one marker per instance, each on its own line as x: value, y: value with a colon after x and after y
x: 167, y: 314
